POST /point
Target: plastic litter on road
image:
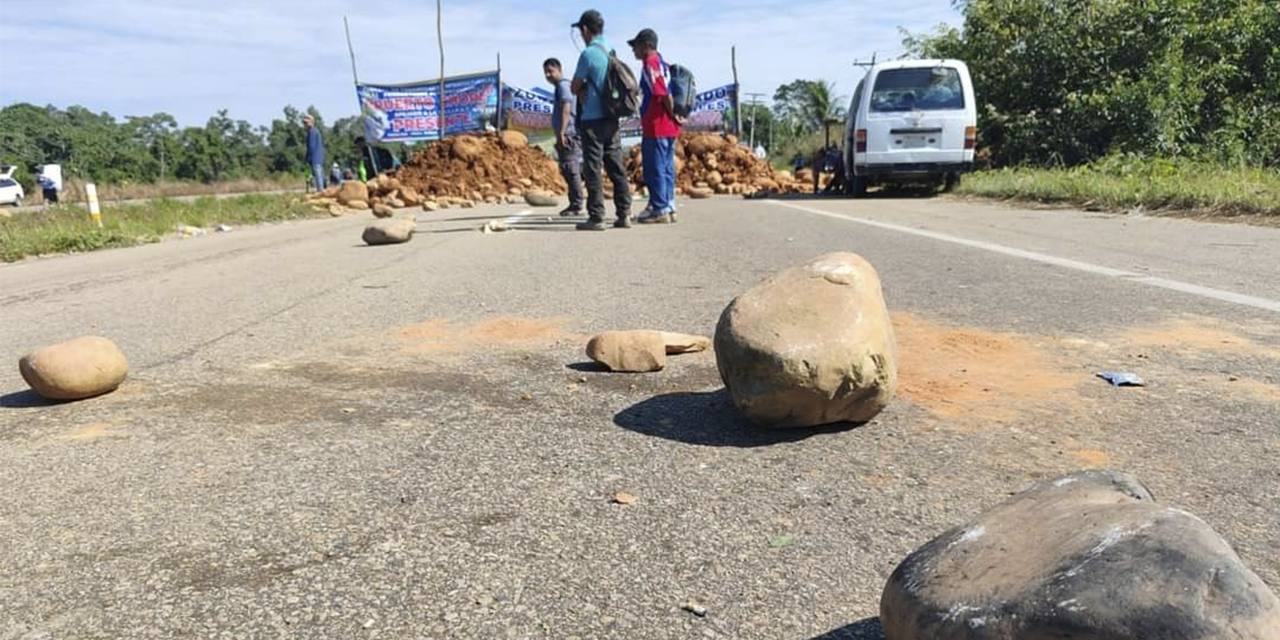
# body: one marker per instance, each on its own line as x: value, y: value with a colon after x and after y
x: 1118, y: 379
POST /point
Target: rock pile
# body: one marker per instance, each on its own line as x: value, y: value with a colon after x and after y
x: 1089, y: 555
x: 709, y: 163
x: 461, y: 171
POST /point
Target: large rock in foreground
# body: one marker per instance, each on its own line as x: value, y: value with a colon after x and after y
x: 80, y: 368
x: 389, y: 231
x: 629, y: 351
x: 812, y: 345
x: 1089, y: 556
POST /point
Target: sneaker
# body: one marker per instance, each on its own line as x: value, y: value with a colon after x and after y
x: 622, y: 223
x: 590, y: 225
x: 662, y: 218
x: 570, y: 212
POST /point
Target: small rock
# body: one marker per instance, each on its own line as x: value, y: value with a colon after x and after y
x: 624, y: 498
x: 540, y: 199
x: 526, y: 182
x: 382, y: 211
x: 582, y: 379
x: 222, y: 228
x: 430, y: 205
x: 353, y: 191
x: 678, y: 343
x: 358, y: 205
x: 526, y: 397
x: 629, y: 351
x: 336, y: 210
x: 513, y: 139
x: 77, y: 369
x: 695, y: 608
x: 389, y: 231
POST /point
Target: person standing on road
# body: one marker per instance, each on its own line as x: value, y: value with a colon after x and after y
x: 661, y: 129
x: 568, y: 148
x: 315, y: 151
x: 48, y: 189
x: 598, y: 131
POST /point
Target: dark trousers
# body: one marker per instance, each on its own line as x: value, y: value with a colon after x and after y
x: 602, y: 149
x: 571, y: 168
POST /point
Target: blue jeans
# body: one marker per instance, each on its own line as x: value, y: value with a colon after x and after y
x: 317, y: 173
x: 659, y: 164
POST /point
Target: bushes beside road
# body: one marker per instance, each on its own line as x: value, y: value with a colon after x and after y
x: 68, y: 229
x: 1119, y: 184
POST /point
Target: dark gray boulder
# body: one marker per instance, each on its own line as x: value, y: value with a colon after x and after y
x: 1089, y: 556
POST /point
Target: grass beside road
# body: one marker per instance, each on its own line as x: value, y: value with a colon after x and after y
x: 68, y: 229
x: 1204, y: 189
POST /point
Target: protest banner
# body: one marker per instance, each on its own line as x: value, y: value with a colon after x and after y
x: 409, y: 112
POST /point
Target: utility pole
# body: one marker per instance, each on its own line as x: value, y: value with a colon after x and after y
x: 755, y: 101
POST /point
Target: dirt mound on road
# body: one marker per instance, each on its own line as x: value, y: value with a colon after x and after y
x: 476, y: 168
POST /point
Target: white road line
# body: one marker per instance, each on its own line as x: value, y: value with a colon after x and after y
x: 516, y: 218
x: 1128, y: 276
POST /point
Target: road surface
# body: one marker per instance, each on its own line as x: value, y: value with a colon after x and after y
x: 323, y: 439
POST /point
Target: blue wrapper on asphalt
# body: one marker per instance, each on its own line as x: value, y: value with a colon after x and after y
x: 1118, y: 379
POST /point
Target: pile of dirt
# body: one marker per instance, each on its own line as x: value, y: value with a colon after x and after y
x: 708, y: 163
x: 480, y: 168
x: 463, y: 170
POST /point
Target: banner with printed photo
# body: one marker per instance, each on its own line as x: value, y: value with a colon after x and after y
x: 527, y: 111
x: 409, y: 112
x: 530, y: 111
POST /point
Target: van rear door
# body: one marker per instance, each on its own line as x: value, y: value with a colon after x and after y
x: 917, y: 116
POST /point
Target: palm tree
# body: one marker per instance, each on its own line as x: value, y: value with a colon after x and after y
x: 820, y: 103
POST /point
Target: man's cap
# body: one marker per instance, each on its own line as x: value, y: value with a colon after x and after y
x: 647, y: 36
x: 590, y: 19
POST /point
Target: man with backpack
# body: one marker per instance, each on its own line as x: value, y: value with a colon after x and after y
x: 661, y: 129
x: 606, y: 90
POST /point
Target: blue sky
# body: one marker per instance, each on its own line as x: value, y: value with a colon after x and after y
x: 252, y: 57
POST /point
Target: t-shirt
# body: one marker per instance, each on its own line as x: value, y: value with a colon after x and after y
x: 593, y: 64
x: 564, y: 93
x: 655, y: 120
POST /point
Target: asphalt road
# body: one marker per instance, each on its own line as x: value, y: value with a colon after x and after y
x: 322, y: 439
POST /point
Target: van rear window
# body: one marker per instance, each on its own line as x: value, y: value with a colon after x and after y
x: 921, y: 89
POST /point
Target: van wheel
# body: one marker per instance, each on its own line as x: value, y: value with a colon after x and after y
x: 952, y: 181
x: 17, y: 202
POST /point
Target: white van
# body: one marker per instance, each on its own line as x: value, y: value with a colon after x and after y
x: 911, y: 120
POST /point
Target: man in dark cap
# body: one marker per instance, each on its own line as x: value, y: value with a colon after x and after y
x: 661, y: 129
x: 598, y: 131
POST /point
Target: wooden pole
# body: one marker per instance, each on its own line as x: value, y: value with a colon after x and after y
x: 440, y: 97
x: 737, y: 99
x: 499, y: 91
x: 355, y: 79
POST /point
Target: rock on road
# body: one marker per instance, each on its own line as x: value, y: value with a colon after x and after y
x: 324, y: 439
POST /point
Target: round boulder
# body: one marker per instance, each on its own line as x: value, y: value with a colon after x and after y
x: 537, y: 198
x: 811, y: 345
x: 389, y: 231
x: 629, y: 351
x: 80, y: 368
x: 382, y: 211
x: 514, y: 140
x: 1089, y: 555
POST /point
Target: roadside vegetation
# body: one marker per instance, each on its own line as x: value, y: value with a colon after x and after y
x: 1156, y: 186
x: 68, y: 228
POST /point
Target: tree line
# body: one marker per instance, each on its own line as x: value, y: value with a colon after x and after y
x: 98, y: 147
x: 1067, y: 82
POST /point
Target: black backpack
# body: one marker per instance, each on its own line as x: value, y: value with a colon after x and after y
x: 620, y: 94
x: 683, y: 90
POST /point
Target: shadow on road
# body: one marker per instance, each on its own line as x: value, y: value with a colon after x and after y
x: 868, y: 629
x: 709, y: 419
x: 25, y: 400
x: 588, y: 367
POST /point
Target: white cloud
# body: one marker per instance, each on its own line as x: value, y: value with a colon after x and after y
x: 192, y: 58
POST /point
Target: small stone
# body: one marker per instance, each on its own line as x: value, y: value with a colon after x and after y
x: 358, y: 205
x: 582, y: 379
x: 541, y: 199
x: 382, y: 211
x: 389, y: 231
x: 624, y: 498
x: 526, y: 397
x: 629, y: 351
x: 430, y: 205
x: 695, y: 608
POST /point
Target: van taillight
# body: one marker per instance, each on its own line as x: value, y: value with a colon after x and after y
x: 970, y: 137
x: 860, y: 141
